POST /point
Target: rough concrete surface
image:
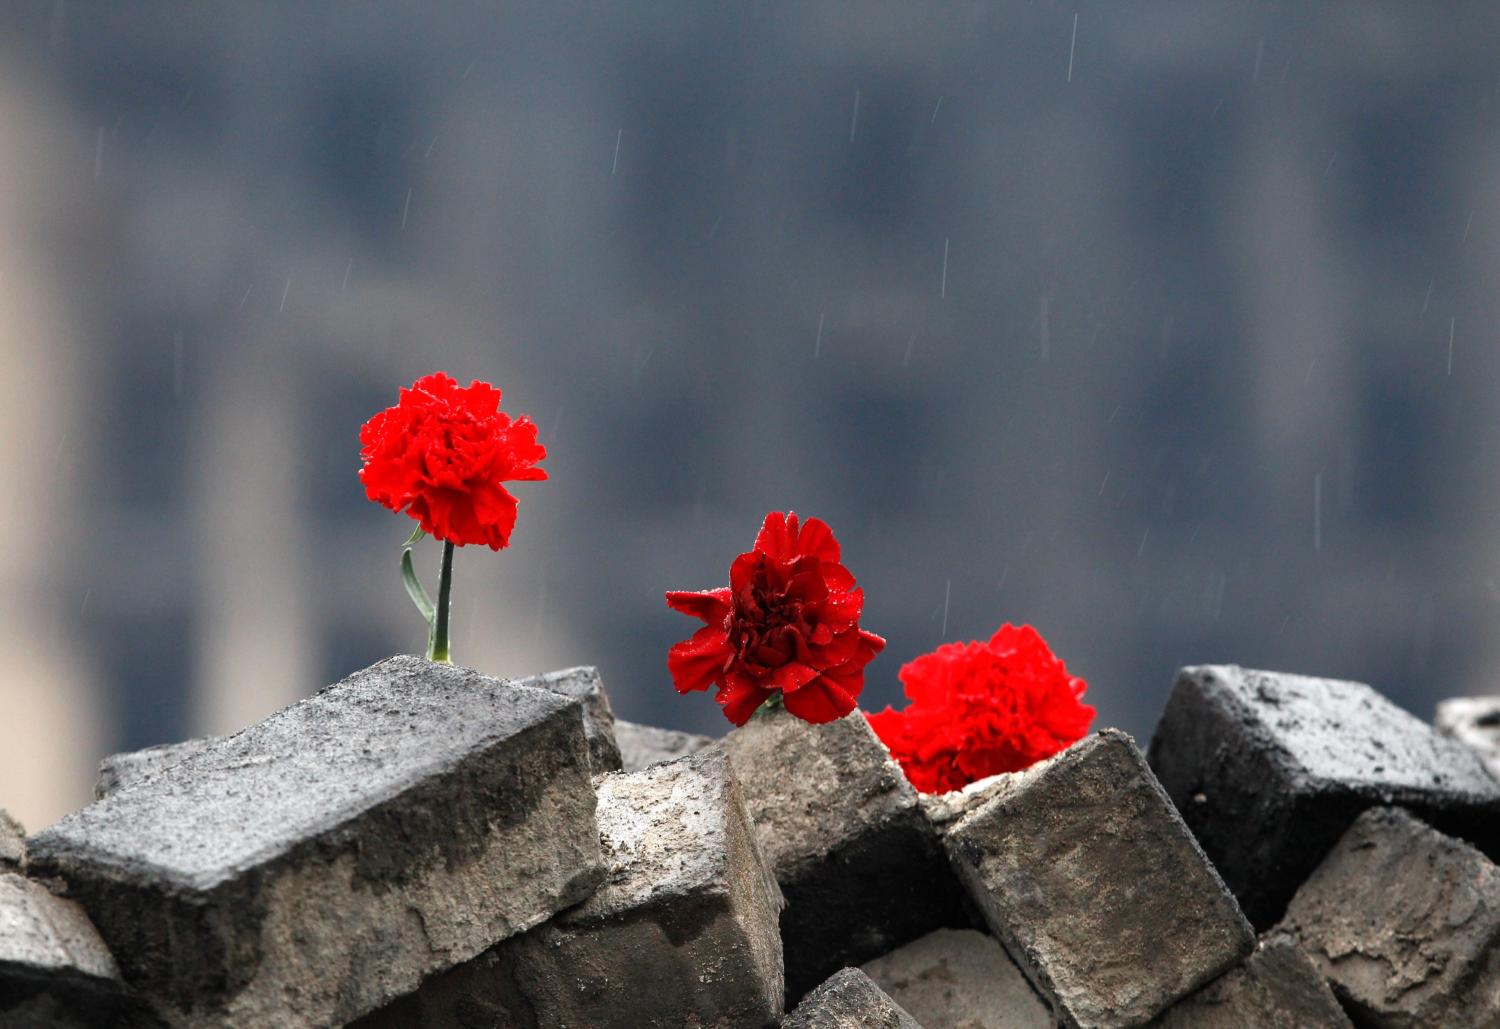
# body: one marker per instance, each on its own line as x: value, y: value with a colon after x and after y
x: 960, y: 978
x: 1086, y: 873
x: 12, y: 843
x: 118, y: 771
x: 849, y: 1000
x: 1474, y: 722
x: 1269, y: 770
x: 54, y: 968
x: 1404, y: 922
x: 307, y: 869
x: 1277, y: 988
x: 642, y: 746
x: 683, y: 932
x: 862, y: 868
x: 584, y: 684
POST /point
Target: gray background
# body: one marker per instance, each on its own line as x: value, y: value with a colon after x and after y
x: 1174, y: 335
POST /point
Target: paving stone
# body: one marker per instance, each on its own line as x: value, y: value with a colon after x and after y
x: 682, y: 933
x: 130, y: 767
x: 1474, y: 722
x: 54, y: 968
x: 1277, y: 988
x: 644, y: 745
x: 1404, y: 922
x: 849, y: 1000
x: 584, y: 684
x: 862, y: 868
x: 960, y: 978
x: 308, y: 868
x: 12, y: 843
x: 1086, y: 873
x: 1269, y: 769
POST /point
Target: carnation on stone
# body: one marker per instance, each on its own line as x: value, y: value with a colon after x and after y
x: 786, y: 627
x: 981, y: 708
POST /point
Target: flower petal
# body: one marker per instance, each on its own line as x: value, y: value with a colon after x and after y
x: 709, y: 605
x: 698, y: 662
x: 819, y: 701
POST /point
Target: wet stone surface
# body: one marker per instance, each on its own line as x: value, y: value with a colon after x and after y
x: 54, y: 968
x: 1404, y: 922
x: 1085, y: 872
x: 12, y: 843
x: 583, y: 684
x: 1474, y: 722
x: 849, y: 1000
x: 644, y: 745
x: 959, y: 977
x: 119, y: 771
x: 310, y: 867
x: 1269, y: 769
x: 1277, y: 988
x: 683, y: 930
x: 862, y: 868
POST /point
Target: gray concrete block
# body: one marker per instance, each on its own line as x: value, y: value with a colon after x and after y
x: 960, y: 977
x: 1404, y: 922
x: 1474, y: 722
x: 1086, y: 873
x: 849, y: 1000
x: 583, y: 684
x: 54, y: 968
x: 12, y: 843
x: 1269, y: 769
x: 682, y: 933
x: 118, y: 771
x: 309, y: 868
x: 642, y: 746
x: 862, y: 868
x: 1277, y: 988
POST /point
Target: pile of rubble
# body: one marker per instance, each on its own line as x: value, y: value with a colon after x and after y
x: 421, y: 845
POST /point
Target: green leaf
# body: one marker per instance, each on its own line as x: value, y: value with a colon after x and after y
x: 414, y: 588
x: 414, y: 538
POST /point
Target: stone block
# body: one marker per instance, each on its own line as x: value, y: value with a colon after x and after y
x: 12, y: 843
x: 1277, y: 988
x: 1096, y: 888
x: 862, y: 868
x: 960, y: 977
x: 849, y: 1000
x: 1404, y: 922
x: 130, y: 767
x: 1474, y: 722
x: 642, y: 746
x: 683, y: 932
x: 583, y: 684
x: 54, y: 969
x: 1269, y: 769
x: 307, y: 869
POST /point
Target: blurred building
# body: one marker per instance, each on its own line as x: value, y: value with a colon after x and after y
x: 1169, y: 330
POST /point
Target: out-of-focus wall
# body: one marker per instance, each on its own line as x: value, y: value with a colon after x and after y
x: 1170, y: 329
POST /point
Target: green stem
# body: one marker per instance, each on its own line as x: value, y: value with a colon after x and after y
x: 437, y: 649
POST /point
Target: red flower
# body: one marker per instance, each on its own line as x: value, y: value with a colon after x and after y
x: 788, y: 621
x: 978, y: 709
x: 441, y: 454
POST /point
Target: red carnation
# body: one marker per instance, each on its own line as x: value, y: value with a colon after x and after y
x: 788, y: 622
x: 441, y: 454
x: 978, y: 709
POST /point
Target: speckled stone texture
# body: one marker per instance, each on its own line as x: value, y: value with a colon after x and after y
x: 1277, y: 988
x: 1474, y: 722
x: 642, y: 746
x: 118, y: 771
x: 305, y: 870
x: 862, y: 868
x: 584, y: 684
x: 12, y: 843
x: 1405, y: 923
x: 682, y: 933
x: 1086, y: 873
x: 849, y: 1000
x: 961, y: 978
x: 54, y: 969
x: 1269, y: 769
